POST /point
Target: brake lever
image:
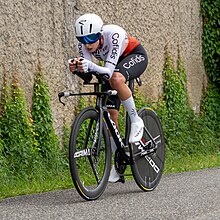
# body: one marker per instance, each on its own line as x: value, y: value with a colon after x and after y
x: 60, y: 95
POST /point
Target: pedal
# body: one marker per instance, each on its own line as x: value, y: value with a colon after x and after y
x: 121, y: 179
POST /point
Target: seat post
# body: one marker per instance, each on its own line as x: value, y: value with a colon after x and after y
x: 96, y: 87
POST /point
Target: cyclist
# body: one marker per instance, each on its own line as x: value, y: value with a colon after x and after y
x: 124, y: 59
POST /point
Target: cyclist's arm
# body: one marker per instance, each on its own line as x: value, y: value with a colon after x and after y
x: 115, y: 48
x: 100, y: 69
x: 89, y: 65
x: 116, y: 41
x: 82, y: 52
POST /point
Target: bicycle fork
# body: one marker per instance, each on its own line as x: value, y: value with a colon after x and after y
x: 96, y: 145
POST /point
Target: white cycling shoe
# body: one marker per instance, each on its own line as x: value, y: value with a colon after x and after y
x: 137, y: 130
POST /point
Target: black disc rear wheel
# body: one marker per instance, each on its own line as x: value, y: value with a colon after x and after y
x: 148, y: 155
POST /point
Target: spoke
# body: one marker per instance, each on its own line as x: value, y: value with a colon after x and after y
x: 94, y: 169
x: 89, y: 152
x: 87, y: 134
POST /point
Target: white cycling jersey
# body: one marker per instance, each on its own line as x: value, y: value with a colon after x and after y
x: 115, y: 44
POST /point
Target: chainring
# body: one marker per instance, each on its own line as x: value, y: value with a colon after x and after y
x: 120, y: 163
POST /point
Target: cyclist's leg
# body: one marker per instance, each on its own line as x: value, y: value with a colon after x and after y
x: 118, y: 83
x: 130, y: 67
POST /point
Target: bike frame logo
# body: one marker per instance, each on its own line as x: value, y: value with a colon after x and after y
x: 117, y: 132
x: 153, y: 164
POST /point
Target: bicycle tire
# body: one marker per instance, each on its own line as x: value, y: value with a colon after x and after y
x: 89, y: 172
x: 147, y: 168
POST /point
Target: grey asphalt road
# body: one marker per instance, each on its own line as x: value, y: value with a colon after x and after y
x: 187, y: 196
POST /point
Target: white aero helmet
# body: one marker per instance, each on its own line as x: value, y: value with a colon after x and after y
x: 88, y: 28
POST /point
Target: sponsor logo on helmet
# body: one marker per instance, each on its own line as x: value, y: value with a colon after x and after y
x: 133, y: 61
x: 114, y: 53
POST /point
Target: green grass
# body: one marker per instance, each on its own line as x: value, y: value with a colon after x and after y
x: 177, y: 164
x: 50, y: 182
x: 44, y: 183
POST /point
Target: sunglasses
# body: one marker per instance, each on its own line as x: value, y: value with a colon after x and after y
x: 89, y: 39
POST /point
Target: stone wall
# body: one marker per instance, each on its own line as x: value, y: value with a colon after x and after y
x: 41, y: 31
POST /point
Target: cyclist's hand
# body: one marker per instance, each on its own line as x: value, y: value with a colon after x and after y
x: 73, y: 64
x: 84, y: 65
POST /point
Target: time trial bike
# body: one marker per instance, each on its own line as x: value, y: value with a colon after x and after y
x: 90, y: 153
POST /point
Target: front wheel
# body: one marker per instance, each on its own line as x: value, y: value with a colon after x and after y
x: 149, y: 153
x: 89, y: 159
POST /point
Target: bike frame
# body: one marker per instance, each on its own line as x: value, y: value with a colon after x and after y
x: 104, y: 114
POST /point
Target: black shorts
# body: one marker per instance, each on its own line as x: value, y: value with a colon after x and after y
x: 131, y: 67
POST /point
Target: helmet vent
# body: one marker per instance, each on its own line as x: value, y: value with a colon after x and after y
x: 88, y: 24
x: 90, y: 29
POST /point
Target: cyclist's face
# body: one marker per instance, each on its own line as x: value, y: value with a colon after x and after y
x: 92, y: 47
